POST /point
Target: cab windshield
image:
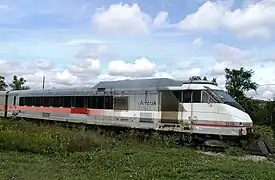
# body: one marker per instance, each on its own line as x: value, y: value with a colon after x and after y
x: 223, y: 95
x: 227, y: 99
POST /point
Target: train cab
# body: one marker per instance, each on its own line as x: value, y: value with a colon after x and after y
x: 211, y: 110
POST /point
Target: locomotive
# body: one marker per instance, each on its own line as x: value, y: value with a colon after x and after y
x: 197, y: 108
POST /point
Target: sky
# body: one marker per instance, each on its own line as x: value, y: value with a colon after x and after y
x: 79, y: 43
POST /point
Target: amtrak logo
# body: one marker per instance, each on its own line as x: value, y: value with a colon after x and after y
x: 148, y: 103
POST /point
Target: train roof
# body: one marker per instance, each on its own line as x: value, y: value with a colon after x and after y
x: 138, y: 83
x: 3, y: 93
x: 128, y: 84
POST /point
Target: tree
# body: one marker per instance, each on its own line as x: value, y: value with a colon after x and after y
x: 18, y: 84
x: 239, y: 81
x: 3, y: 85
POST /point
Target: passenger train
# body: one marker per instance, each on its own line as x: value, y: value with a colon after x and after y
x: 194, y: 107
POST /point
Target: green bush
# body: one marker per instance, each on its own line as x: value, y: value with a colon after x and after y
x: 264, y: 131
x: 52, y: 139
x: 46, y: 139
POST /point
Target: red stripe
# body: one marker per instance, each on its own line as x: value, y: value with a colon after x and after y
x: 40, y: 109
x: 95, y: 112
x: 57, y: 110
x: 79, y: 111
x: 219, y: 125
x: 2, y: 107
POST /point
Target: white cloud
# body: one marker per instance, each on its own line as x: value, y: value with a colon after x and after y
x: 140, y: 68
x: 218, y: 68
x: 92, y: 51
x: 208, y: 17
x: 255, y: 19
x: 185, y: 74
x: 88, y: 72
x: 195, y: 72
x: 66, y: 78
x: 85, y: 67
x: 198, y: 42
x: 264, y: 76
x: 161, y: 74
x: 122, y: 18
x: 127, y: 19
x: 225, y: 52
x: 34, y: 80
x: 5, y: 67
x: 226, y: 56
x: 84, y: 41
x: 160, y: 19
x: 44, y: 64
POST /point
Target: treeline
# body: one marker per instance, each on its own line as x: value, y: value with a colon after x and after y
x: 238, y: 83
x: 16, y: 84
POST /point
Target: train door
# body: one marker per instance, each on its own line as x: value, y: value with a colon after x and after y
x: 187, y: 100
x: 191, y: 101
x: 203, y: 106
x: 169, y: 107
x: 209, y: 104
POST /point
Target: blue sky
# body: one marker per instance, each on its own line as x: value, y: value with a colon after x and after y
x: 211, y: 33
x: 33, y: 29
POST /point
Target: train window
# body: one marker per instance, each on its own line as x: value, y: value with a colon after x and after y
x: 187, y: 96
x: 109, y: 102
x: 196, y: 96
x: 178, y: 95
x: 29, y: 101
x: 37, y: 101
x: 121, y: 103
x: 100, y: 102
x: 14, y: 100
x: 46, y: 101
x: 57, y: 101
x: 67, y: 101
x: 22, y: 101
x: 212, y: 100
x: 92, y: 101
x: 206, y: 98
x: 79, y: 101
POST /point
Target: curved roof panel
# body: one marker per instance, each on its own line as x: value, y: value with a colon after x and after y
x: 138, y: 83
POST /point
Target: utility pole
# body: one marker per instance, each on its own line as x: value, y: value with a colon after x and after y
x: 273, y: 115
x: 43, y: 86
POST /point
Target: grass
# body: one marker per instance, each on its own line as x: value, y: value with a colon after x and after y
x: 29, y: 151
x: 264, y: 131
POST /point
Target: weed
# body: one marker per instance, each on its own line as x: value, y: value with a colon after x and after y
x: 264, y: 131
x: 31, y: 151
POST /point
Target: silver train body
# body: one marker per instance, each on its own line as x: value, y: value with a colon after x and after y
x: 197, y: 107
